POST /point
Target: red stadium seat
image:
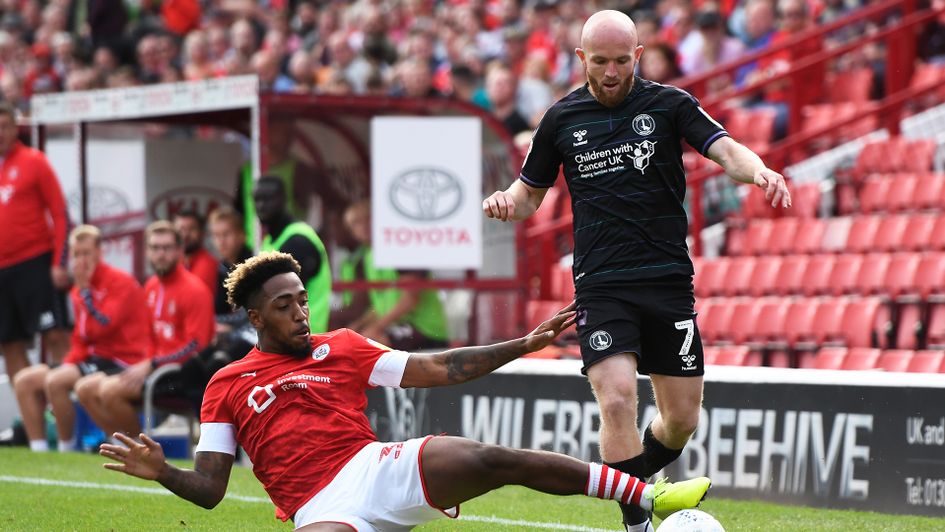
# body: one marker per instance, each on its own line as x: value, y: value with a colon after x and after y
x: 929, y: 276
x: 697, y: 263
x: 843, y: 275
x: 806, y: 200
x: 791, y: 274
x: 817, y: 275
x: 937, y: 238
x: 900, y: 277
x: 738, y: 278
x: 929, y: 75
x: 918, y: 232
x: 861, y: 358
x: 877, y: 157
x: 859, y: 323
x: 917, y: 155
x: 712, y: 278
x: 781, y: 240
x: 769, y: 327
x: 874, y: 194
x: 764, y: 278
x: 799, y: 322
x: 714, y: 321
x: 901, y: 191
x: 744, y: 320
x: 862, y: 234
x: 872, y: 275
x: 892, y: 230
x: 935, y: 334
x: 851, y: 86
x: 930, y: 194
x: 751, y: 126
x: 828, y: 320
x: 548, y: 211
x: 810, y: 235
x: 926, y: 362
x: 895, y: 359
x: 710, y: 354
x: 910, y: 327
x: 734, y: 355
x: 836, y: 233
x: 828, y: 358
x: 758, y: 236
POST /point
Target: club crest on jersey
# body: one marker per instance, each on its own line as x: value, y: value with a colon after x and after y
x: 579, y: 135
x: 642, y: 151
x: 643, y: 124
x: 320, y: 352
x: 600, y: 340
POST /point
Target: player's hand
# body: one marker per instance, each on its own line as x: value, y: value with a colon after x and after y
x: 500, y: 205
x: 143, y: 460
x: 776, y: 190
x: 545, y: 333
x: 60, y: 277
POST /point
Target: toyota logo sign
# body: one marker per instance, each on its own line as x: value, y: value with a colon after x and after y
x: 426, y: 194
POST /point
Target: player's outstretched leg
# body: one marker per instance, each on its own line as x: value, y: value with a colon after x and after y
x: 456, y: 470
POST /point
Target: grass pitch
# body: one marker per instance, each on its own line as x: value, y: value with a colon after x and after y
x: 74, y: 492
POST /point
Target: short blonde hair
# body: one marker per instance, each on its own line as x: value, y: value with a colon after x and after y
x: 161, y: 227
x: 85, y: 232
x: 227, y: 214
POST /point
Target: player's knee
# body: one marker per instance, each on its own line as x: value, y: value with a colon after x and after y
x: 86, y: 390
x: 29, y: 380
x: 59, y: 383
x: 618, y: 403
x: 682, y: 423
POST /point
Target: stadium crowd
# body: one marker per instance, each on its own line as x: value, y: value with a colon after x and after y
x: 511, y: 56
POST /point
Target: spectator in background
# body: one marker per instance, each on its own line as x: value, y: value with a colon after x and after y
x: 12, y: 90
x: 266, y: 66
x: 229, y: 239
x: 759, y: 30
x: 713, y: 48
x: 285, y: 233
x: 534, y: 93
x: 197, y: 260
x: 112, y: 333
x: 501, y: 91
x: 97, y: 22
x: 467, y: 87
x: 414, y: 80
x: 42, y: 76
x: 659, y: 63
x: 32, y: 250
x: 648, y: 27
x: 197, y: 61
x: 347, y: 62
x: 181, y: 310
x: 403, y: 319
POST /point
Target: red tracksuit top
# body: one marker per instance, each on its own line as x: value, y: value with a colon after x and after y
x: 202, y: 264
x: 29, y: 192
x: 182, y: 318
x: 111, y: 319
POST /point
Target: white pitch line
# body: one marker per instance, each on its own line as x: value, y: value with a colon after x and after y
x: 246, y: 498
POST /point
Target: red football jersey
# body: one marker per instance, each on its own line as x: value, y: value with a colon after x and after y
x: 182, y: 318
x: 299, y: 419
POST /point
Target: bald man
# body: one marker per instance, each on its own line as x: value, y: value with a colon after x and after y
x: 618, y: 138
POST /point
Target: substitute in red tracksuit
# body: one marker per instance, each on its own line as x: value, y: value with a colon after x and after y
x: 112, y: 332
x: 197, y: 260
x: 180, y: 308
x: 33, y: 226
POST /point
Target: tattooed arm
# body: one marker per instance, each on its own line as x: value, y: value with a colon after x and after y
x: 467, y: 363
x: 204, y: 486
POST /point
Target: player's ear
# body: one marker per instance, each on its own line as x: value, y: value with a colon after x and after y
x: 254, y: 318
x: 581, y: 55
x: 638, y: 52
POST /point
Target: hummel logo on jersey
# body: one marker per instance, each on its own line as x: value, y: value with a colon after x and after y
x: 579, y: 135
x: 642, y: 151
x: 248, y: 374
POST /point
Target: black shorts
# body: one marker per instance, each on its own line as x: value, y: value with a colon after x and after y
x: 28, y: 301
x: 94, y: 364
x: 654, y: 319
x: 406, y: 337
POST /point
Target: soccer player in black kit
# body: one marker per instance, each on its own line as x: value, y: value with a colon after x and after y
x: 618, y: 138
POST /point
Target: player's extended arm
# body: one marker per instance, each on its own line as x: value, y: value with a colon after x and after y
x: 515, y: 203
x: 467, y: 363
x: 742, y: 164
x: 204, y: 486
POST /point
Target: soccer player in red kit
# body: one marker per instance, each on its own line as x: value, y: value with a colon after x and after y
x: 112, y: 329
x: 182, y: 321
x: 295, y: 404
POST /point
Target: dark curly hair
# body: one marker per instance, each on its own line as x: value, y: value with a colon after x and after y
x: 245, y: 281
